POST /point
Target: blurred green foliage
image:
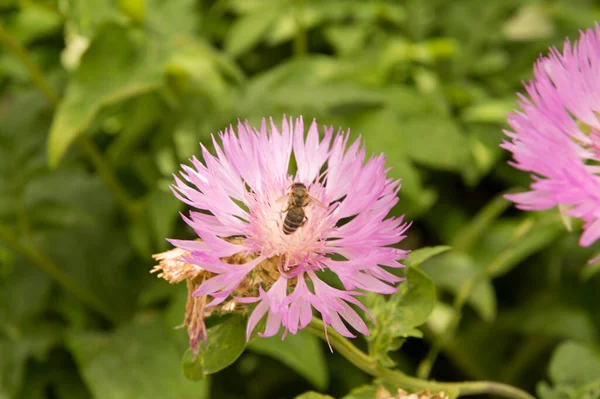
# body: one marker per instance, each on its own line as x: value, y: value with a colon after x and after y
x: 102, y: 100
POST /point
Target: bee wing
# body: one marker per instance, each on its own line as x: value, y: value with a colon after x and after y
x: 317, y: 202
x: 283, y: 197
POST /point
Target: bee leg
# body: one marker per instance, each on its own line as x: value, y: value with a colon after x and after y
x: 303, y: 221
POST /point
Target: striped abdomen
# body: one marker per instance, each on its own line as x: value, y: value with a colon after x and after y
x: 294, y: 219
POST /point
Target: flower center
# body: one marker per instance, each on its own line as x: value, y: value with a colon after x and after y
x: 290, y: 224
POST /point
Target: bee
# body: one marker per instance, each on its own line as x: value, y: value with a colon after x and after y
x: 298, y: 199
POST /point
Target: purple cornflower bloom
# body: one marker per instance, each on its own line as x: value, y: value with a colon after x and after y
x: 243, y: 195
x: 556, y: 134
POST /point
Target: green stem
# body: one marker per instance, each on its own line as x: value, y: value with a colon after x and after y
x: 85, y: 144
x: 440, y: 342
x: 371, y: 367
x: 49, y: 267
x: 468, y: 235
x: 34, y: 72
x: 300, y: 41
x: 493, y: 269
x: 521, y: 361
x: 107, y: 175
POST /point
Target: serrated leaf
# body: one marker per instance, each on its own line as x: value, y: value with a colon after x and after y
x: 136, y: 361
x: 396, y: 318
x: 416, y: 257
x: 302, y: 352
x: 574, y: 371
x: 132, y: 67
x: 226, y: 342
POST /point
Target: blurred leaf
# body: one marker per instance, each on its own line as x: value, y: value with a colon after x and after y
x: 136, y: 361
x: 484, y: 146
x: 248, y: 30
x: 307, y: 85
x: 575, y: 372
x: 132, y: 67
x: 163, y: 211
x: 531, y: 22
x: 226, y: 342
x: 313, y: 395
x: 396, y: 318
x: 141, y: 114
x: 490, y: 111
x: 437, y: 143
x: 302, y: 352
x: 468, y: 235
x: 552, y: 319
x: 85, y: 16
x: 13, y: 358
x: 347, y: 39
x: 171, y: 18
x: 416, y: 257
x: 33, y: 22
x: 453, y: 270
x: 380, y: 129
x: 589, y: 270
x: 508, y: 242
x: 135, y: 9
x: 14, y: 311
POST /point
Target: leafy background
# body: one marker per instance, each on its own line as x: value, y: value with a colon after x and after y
x: 100, y: 101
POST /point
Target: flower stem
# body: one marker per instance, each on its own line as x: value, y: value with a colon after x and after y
x: 370, y: 366
x: 86, y: 145
x: 439, y: 343
x: 44, y: 263
x: 300, y: 42
x: 34, y: 72
x: 129, y: 206
x: 494, y: 268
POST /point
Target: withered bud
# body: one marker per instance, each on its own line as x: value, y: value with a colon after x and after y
x: 174, y: 268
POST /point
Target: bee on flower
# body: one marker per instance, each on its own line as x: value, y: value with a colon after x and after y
x: 265, y: 234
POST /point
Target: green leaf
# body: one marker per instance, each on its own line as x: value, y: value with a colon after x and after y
x: 398, y: 317
x: 454, y: 269
x: 575, y: 364
x: 379, y: 128
x: 13, y: 358
x: 119, y: 63
x: 226, y: 342
x: 136, y: 361
x: 313, y: 395
x: 85, y: 16
x: 163, y: 211
x: 33, y: 22
x: 310, y: 85
x: 416, y: 257
x: 554, y: 320
x: 575, y: 372
x: 302, y: 352
x: 532, y: 22
x: 248, y: 30
x: 436, y: 142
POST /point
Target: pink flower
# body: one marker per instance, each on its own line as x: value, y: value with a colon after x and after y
x: 244, y: 198
x: 556, y: 134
